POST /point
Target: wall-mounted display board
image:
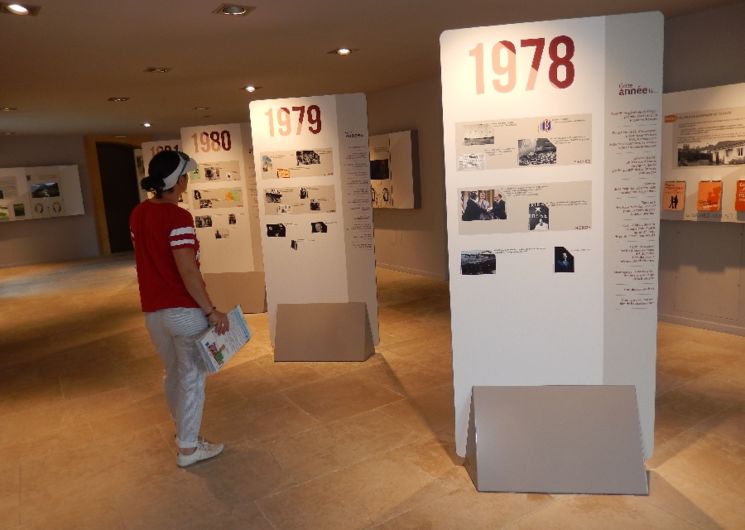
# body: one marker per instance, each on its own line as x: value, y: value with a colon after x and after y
x: 392, y: 170
x: 145, y: 155
x: 313, y: 175
x: 551, y: 136
x: 39, y: 192
x: 703, y: 149
x: 222, y: 198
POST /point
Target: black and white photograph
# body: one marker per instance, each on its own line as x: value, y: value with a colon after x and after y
x: 470, y: 161
x: 307, y: 158
x: 379, y: 169
x: 478, y: 134
x: 276, y: 230
x: 43, y: 190
x: 563, y: 260
x: 273, y: 195
x: 197, y: 195
x: 293, y: 244
x: 284, y: 208
x: 221, y: 233
x: 318, y: 227
x: 715, y: 153
x: 536, y: 152
x: 315, y: 205
x: 475, y: 262
x: 231, y: 219
x: 266, y: 164
x: 537, y: 216
x: 205, y: 203
x: 203, y: 221
x: 303, y: 193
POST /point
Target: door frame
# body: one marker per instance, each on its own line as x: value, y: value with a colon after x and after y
x: 94, y: 175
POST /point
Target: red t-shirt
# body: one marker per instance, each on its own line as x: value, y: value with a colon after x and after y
x: 157, y: 229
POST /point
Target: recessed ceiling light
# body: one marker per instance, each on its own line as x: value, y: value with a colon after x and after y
x: 233, y: 10
x: 118, y: 99
x: 20, y: 9
x: 343, y: 51
x: 201, y: 108
x: 251, y: 88
x: 147, y: 124
x: 8, y: 109
x: 157, y: 69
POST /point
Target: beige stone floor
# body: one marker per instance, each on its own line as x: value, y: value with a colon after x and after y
x: 86, y: 441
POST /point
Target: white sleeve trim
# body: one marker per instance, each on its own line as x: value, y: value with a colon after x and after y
x: 179, y: 242
x: 182, y: 231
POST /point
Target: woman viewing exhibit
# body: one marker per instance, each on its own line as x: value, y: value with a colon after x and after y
x: 174, y: 298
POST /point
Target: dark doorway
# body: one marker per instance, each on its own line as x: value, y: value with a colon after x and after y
x: 116, y: 163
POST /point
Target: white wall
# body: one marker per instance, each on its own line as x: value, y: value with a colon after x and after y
x: 413, y: 240
x: 42, y: 240
x: 702, y: 265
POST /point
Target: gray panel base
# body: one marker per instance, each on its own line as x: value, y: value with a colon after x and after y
x: 323, y: 332
x: 227, y: 289
x: 556, y: 439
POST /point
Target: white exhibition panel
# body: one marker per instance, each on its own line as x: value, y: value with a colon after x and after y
x: 40, y: 192
x: 703, y: 155
x: 392, y: 170
x: 313, y: 177
x: 551, y: 135
x: 222, y: 197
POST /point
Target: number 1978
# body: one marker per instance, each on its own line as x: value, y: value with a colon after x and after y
x: 503, y: 63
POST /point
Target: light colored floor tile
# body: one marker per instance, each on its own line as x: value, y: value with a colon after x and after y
x: 87, y: 441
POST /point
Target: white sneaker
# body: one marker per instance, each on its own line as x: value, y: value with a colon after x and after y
x: 205, y: 450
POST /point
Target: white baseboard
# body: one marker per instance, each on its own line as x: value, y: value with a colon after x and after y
x: 732, y: 329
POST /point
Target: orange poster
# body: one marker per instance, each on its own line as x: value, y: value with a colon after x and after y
x: 674, y: 195
x: 709, y: 196
x: 740, y: 196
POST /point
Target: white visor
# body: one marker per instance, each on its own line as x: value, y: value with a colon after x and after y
x: 186, y: 165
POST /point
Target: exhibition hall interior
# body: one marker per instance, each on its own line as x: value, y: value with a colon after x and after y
x: 483, y: 265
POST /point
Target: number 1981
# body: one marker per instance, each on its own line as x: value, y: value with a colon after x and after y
x: 503, y: 63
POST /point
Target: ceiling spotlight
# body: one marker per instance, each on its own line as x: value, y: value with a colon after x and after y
x: 147, y: 124
x: 8, y: 109
x: 251, y: 88
x: 233, y: 10
x: 118, y: 99
x: 343, y: 51
x: 201, y: 108
x: 20, y: 9
x: 157, y: 69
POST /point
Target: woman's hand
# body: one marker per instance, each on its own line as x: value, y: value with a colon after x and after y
x: 219, y: 321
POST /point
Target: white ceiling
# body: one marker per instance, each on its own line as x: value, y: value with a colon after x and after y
x: 59, y: 68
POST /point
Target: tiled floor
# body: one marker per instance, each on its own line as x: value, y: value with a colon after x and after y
x: 86, y: 441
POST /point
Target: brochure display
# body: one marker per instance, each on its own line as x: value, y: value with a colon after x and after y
x: 39, y: 192
x: 392, y: 170
x: 551, y: 136
x: 216, y: 350
x: 703, y: 148
x: 313, y: 176
x: 222, y: 198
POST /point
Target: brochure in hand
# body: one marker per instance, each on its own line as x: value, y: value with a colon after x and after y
x: 216, y: 350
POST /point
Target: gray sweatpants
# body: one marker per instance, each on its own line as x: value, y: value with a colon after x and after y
x: 173, y: 332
